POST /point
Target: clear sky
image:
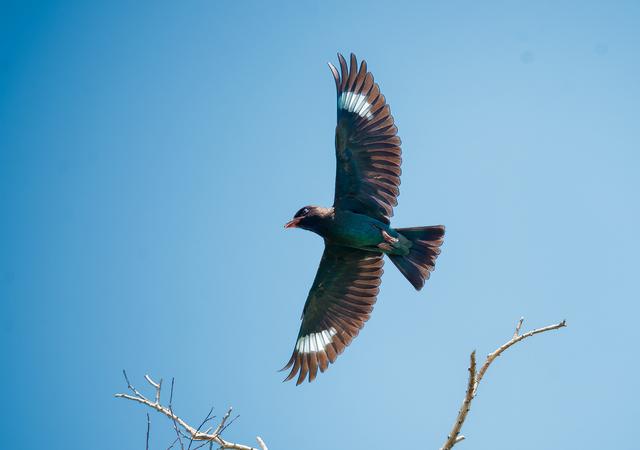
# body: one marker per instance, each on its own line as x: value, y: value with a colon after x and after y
x: 150, y: 153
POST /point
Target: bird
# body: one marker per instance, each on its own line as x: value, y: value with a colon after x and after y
x: 356, y: 229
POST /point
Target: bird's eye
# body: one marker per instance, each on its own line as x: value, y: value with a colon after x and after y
x: 302, y: 212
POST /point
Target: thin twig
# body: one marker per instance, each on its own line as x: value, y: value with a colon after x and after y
x: 194, y: 434
x: 157, y: 386
x: 223, y: 421
x: 209, y: 443
x: 201, y: 445
x: 172, y: 444
x: 475, y: 377
x: 130, y: 386
x: 229, y: 423
x: 261, y: 443
x: 175, y: 424
x: 492, y: 356
x: 520, y: 322
x: 206, y: 419
x: 148, y: 430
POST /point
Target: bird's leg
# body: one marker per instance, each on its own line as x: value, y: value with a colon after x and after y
x: 388, y: 238
x: 384, y: 246
x: 389, y: 242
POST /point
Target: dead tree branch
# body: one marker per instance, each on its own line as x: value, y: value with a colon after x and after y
x: 208, y: 437
x: 475, y: 378
x: 183, y: 429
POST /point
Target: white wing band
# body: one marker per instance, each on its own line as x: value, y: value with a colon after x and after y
x: 315, y: 342
x: 355, y: 103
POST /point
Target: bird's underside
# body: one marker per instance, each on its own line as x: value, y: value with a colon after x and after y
x: 345, y: 289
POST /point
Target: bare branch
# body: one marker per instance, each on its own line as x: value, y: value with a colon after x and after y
x: 475, y: 378
x: 130, y: 386
x: 209, y: 437
x: 157, y: 386
x: 452, y: 439
x: 221, y: 426
x: 151, y: 382
x: 517, y: 338
x: 517, y: 332
x: 174, y: 443
x: 194, y: 434
x: 206, y: 419
x: 175, y: 424
x: 148, y: 430
x: 261, y: 443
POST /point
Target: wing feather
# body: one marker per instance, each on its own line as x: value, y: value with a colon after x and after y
x: 368, y: 152
x: 339, y: 303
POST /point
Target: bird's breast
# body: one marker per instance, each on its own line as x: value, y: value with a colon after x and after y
x: 355, y: 230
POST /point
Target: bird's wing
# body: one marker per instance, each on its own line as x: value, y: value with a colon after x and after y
x: 339, y: 303
x: 367, y: 146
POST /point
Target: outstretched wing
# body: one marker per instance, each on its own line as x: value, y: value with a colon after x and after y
x: 367, y: 147
x: 339, y: 303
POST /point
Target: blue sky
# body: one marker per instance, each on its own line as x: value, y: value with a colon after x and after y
x: 151, y: 152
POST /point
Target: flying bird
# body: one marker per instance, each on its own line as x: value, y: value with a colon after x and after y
x: 356, y: 229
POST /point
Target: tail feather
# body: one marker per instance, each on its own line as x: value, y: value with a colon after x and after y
x: 418, y: 264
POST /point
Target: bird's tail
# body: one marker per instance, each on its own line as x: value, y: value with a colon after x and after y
x: 418, y: 264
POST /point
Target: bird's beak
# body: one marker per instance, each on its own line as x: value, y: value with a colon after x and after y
x: 292, y: 223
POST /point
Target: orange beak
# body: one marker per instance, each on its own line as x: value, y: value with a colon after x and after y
x: 292, y: 223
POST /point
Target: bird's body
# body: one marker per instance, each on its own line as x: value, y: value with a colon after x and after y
x: 350, y: 229
x: 359, y: 231
x: 356, y: 229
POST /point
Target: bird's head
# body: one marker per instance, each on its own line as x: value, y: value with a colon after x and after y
x: 309, y: 217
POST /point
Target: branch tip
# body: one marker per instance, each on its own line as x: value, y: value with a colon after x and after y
x: 190, y: 433
x: 475, y: 377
